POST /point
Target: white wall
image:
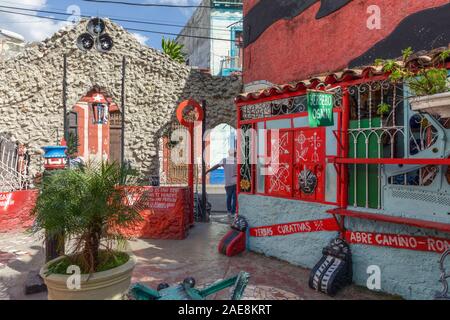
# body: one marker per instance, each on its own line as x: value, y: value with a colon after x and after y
x: 221, y: 19
x: 222, y: 139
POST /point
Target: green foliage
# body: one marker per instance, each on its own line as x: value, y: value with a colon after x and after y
x: 427, y: 80
x: 72, y: 145
x: 173, y: 50
x: 107, y: 260
x: 431, y: 81
x: 383, y: 109
x: 89, y: 205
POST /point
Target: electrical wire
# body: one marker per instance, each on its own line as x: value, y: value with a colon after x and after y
x: 115, y: 19
x: 129, y: 29
x: 149, y: 4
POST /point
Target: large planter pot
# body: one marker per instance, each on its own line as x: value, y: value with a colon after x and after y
x: 106, y: 285
x: 435, y: 104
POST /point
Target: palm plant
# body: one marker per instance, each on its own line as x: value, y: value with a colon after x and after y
x: 89, y: 205
x: 173, y: 50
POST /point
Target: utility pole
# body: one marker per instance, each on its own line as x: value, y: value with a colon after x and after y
x: 122, y: 102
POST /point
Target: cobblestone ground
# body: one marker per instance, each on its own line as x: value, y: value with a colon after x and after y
x: 172, y: 261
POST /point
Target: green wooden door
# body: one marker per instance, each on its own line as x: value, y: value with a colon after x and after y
x: 363, y: 179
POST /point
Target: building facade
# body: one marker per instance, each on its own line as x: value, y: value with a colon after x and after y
x: 31, y: 97
x: 220, y: 23
x: 11, y: 44
x: 380, y: 181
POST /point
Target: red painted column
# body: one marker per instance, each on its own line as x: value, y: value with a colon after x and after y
x: 238, y: 157
x: 343, y: 202
x: 191, y: 169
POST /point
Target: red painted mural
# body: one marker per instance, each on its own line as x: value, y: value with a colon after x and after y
x: 168, y: 214
x: 304, y: 46
x: 15, y: 210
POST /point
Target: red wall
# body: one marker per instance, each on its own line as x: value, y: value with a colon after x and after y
x: 15, y: 210
x: 303, y: 47
x: 168, y: 215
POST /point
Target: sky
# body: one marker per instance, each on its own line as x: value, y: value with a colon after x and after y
x: 36, y: 29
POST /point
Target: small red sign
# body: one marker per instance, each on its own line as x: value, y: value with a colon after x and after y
x: 295, y: 227
x: 398, y: 241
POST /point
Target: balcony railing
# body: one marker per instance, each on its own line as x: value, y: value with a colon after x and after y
x: 230, y: 65
x: 226, y: 3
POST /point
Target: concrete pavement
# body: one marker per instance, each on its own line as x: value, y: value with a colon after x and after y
x: 171, y: 261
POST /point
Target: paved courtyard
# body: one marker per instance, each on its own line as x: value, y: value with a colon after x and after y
x: 172, y: 261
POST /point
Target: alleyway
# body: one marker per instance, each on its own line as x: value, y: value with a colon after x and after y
x: 172, y: 261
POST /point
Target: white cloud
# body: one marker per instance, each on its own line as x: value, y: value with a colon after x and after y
x: 30, y: 27
x: 141, y: 38
x: 185, y: 11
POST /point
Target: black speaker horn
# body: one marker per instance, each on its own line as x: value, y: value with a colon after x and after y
x: 104, y: 43
x: 85, y: 42
x: 96, y: 27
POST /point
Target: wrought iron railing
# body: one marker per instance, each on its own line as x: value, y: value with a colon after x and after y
x: 13, y: 166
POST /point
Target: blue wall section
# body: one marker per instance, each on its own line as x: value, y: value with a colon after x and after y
x: 303, y: 249
x: 410, y: 274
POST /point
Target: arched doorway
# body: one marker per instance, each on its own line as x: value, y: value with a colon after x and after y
x: 95, y: 128
x: 221, y: 139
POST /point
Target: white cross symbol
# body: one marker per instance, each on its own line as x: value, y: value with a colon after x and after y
x: 98, y: 98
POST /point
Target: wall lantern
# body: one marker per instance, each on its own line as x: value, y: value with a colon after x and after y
x: 100, y: 109
x: 95, y: 36
x: 54, y: 157
x: 100, y: 112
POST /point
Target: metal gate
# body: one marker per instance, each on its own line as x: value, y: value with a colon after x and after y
x: 174, y: 155
x: 179, y: 145
x: 13, y: 166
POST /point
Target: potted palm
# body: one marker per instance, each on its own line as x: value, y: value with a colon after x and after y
x: 428, y: 81
x: 89, y: 205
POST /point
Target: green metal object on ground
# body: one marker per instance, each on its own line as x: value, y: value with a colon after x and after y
x: 187, y: 290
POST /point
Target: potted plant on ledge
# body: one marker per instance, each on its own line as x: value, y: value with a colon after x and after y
x: 89, y: 205
x: 427, y: 80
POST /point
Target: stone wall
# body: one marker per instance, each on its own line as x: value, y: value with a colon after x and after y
x: 31, y: 99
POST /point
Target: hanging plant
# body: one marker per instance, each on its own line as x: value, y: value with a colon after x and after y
x: 383, y: 109
x: 423, y: 80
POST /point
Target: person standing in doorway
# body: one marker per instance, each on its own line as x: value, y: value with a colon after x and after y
x: 229, y: 167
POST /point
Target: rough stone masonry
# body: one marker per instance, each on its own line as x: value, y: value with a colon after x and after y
x: 31, y: 103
